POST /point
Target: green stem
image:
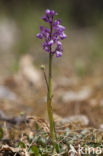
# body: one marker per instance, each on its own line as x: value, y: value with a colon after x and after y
x: 49, y: 100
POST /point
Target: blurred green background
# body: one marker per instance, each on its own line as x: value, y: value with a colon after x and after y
x: 83, y: 49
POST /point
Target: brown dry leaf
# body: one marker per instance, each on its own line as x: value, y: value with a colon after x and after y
x: 7, y: 149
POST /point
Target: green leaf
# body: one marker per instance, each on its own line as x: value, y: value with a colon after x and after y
x: 37, y: 126
x: 42, y: 141
x: 57, y: 147
x: 21, y: 144
x: 84, y: 131
x: 1, y: 133
x: 34, y: 150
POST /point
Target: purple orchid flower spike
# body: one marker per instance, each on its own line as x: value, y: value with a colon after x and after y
x: 53, y: 35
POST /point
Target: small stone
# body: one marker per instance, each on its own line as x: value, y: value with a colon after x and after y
x: 93, y: 102
x: 28, y: 73
x: 81, y: 95
x: 101, y: 126
x: 67, y: 82
x: 5, y: 93
x: 8, y: 34
x: 81, y: 118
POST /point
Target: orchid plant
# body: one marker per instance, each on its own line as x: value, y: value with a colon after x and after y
x: 51, y: 37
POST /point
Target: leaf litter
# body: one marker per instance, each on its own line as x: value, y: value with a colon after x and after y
x: 31, y: 137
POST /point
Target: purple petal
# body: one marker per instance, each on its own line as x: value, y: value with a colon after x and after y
x: 59, y: 48
x: 47, y: 30
x: 58, y: 54
x: 50, y: 20
x: 45, y: 18
x: 59, y: 43
x: 53, y: 52
x: 39, y: 35
x: 56, y: 22
x: 52, y: 12
x: 61, y: 27
x: 50, y: 42
x: 63, y: 36
x: 47, y: 49
x: 41, y: 28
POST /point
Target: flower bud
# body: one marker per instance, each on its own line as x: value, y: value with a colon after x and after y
x: 42, y: 67
x: 47, y: 12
